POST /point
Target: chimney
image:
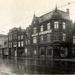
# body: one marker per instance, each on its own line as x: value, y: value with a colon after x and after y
x: 68, y: 11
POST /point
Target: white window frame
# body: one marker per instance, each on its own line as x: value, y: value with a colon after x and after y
x: 41, y: 38
x: 34, y: 30
x: 56, y: 24
x: 22, y: 44
x: 48, y: 38
x: 56, y: 36
x: 34, y: 39
x: 48, y: 26
x: 64, y: 37
x: 19, y: 44
x: 64, y: 25
x: 21, y: 36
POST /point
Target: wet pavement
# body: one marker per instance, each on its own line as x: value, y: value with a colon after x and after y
x: 31, y: 66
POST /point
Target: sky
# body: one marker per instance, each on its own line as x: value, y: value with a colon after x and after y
x: 19, y: 13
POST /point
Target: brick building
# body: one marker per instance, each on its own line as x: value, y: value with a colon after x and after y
x: 51, y: 34
x: 16, y: 44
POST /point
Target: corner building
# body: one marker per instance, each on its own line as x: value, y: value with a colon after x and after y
x: 52, y: 34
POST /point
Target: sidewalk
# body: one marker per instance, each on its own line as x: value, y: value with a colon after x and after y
x: 58, y: 59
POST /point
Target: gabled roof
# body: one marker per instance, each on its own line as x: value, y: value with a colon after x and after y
x: 47, y: 16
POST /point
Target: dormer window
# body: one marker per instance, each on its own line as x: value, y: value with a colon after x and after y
x: 41, y: 28
x: 56, y: 24
x: 48, y: 26
x: 64, y: 25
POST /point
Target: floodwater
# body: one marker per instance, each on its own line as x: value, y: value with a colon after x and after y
x: 31, y: 66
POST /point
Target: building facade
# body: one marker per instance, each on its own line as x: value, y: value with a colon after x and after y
x: 16, y: 44
x: 51, y: 34
x: 3, y: 45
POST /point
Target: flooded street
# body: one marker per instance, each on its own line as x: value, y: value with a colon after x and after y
x: 30, y: 66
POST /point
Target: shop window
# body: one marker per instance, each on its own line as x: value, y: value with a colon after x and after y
x: 49, y: 51
x: 63, y: 52
x: 42, y: 51
x: 35, y: 51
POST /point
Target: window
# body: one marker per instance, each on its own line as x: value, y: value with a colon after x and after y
x: 64, y: 25
x: 63, y: 51
x: 18, y: 37
x: 14, y: 44
x: 42, y: 51
x: 21, y: 36
x: 56, y: 24
x: 11, y: 37
x: 28, y: 41
x: 56, y: 36
x: 22, y: 43
x: 34, y: 30
x: 49, y: 51
x: 15, y: 36
x: 34, y: 39
x: 48, y: 26
x: 64, y: 37
x: 11, y: 44
x: 35, y: 51
x: 42, y: 28
x: 25, y: 50
x: 41, y: 38
x: 18, y: 44
x: 48, y: 38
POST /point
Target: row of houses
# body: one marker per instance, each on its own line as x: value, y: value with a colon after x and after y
x: 50, y: 35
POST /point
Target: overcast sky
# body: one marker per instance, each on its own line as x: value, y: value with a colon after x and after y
x: 15, y: 13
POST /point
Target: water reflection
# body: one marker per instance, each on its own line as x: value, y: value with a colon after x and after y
x: 24, y: 66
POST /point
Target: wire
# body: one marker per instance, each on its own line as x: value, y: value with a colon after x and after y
x: 69, y: 3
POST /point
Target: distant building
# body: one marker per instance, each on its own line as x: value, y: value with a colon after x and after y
x: 16, y: 44
x: 3, y: 45
x: 73, y: 46
x: 52, y: 34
